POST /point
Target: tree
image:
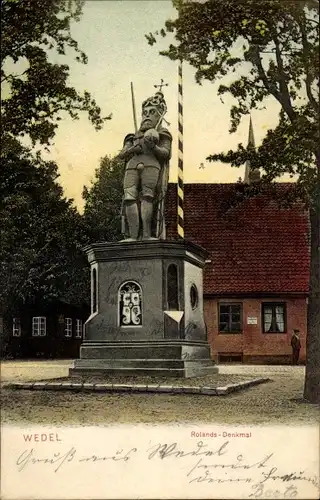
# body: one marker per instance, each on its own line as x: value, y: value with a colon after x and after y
x: 42, y: 236
x: 34, y: 88
x: 102, y: 212
x: 272, y: 49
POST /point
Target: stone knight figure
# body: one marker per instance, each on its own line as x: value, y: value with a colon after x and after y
x: 147, y: 153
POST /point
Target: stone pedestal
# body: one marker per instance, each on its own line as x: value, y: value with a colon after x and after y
x: 146, y: 310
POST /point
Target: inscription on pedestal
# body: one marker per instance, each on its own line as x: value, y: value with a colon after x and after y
x: 130, y: 304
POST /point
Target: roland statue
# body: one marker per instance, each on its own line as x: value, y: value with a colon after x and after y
x: 147, y: 154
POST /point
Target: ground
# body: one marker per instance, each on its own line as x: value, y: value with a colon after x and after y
x: 276, y: 402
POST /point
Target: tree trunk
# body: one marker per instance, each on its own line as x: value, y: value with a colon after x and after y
x: 312, y: 379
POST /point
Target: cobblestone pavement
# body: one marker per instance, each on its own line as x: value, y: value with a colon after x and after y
x: 276, y: 403
x: 38, y: 370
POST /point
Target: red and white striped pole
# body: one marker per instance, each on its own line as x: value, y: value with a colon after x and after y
x: 180, y: 155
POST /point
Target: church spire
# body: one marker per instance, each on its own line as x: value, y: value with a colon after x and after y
x: 251, y: 142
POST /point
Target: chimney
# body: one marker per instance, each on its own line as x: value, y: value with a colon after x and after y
x: 251, y: 175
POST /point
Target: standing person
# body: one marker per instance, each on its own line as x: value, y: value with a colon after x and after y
x: 296, y: 346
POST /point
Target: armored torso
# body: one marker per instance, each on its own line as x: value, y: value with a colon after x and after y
x: 147, y: 157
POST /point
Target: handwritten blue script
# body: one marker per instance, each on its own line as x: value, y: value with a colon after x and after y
x: 203, y: 463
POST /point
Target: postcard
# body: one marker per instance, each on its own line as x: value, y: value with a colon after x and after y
x: 158, y: 284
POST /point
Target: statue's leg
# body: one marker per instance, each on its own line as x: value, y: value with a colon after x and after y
x: 130, y: 184
x: 149, y: 180
x: 146, y: 216
x: 132, y: 214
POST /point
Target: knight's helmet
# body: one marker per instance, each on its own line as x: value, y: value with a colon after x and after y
x: 157, y: 101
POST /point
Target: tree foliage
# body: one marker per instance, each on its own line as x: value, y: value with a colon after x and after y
x: 258, y: 50
x: 102, y: 213
x: 272, y: 49
x: 35, y: 89
x: 41, y: 235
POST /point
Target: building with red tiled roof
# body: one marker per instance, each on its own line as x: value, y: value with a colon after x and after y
x: 256, y: 280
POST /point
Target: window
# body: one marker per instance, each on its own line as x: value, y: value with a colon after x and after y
x: 79, y: 328
x: 68, y: 327
x: 230, y: 357
x: 274, y: 318
x: 39, y: 326
x: 230, y: 318
x: 61, y: 319
x: 16, y: 327
x: 172, y: 288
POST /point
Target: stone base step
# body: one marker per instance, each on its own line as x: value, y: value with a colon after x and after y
x: 138, y: 367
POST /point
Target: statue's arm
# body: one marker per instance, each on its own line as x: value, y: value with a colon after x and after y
x: 163, y: 150
x: 129, y: 148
